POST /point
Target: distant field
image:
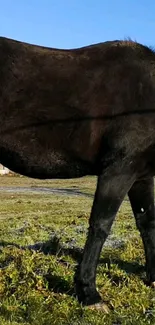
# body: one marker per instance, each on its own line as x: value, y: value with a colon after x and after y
x: 41, y: 238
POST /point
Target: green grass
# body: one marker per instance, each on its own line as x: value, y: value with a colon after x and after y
x: 41, y: 239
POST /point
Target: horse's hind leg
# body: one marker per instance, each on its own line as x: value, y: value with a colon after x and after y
x: 141, y: 196
x: 112, y: 186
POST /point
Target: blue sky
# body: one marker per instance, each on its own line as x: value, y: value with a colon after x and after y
x: 75, y: 23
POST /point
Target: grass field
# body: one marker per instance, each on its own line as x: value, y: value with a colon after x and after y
x: 41, y: 240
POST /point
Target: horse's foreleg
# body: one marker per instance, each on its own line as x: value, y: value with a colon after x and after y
x: 112, y: 186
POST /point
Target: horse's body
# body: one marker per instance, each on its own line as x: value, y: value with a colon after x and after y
x: 88, y: 111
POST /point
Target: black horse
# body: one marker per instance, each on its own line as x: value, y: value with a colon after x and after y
x: 87, y: 111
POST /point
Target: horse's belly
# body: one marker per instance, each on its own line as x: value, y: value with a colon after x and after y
x: 43, y: 164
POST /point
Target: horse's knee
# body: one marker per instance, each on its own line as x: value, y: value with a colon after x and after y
x: 100, y: 229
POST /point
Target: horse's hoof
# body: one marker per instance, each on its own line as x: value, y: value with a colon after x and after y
x: 101, y: 306
x: 152, y: 284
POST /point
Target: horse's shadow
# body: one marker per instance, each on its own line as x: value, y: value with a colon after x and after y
x: 53, y: 247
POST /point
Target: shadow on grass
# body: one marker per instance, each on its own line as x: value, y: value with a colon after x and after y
x: 58, y: 284
x: 54, y: 247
